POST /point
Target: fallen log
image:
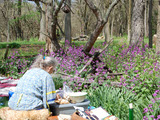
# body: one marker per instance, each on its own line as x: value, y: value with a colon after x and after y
x: 96, y: 54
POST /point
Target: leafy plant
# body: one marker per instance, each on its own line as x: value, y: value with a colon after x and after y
x: 58, y: 82
x: 13, y: 66
x: 11, y: 45
x: 14, y: 45
x: 116, y: 101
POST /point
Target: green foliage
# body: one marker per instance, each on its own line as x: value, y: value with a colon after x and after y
x: 3, y: 101
x: 11, y: 45
x: 58, y: 81
x: 116, y: 101
x: 3, y: 68
x: 24, y: 17
x: 13, y: 66
x: 14, y: 45
x: 140, y: 77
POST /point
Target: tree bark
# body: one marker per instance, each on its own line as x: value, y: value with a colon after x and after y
x: 129, y: 19
x: 85, y: 21
x: 100, y: 23
x: 146, y: 19
x: 52, y: 11
x: 108, y: 30
x: 105, y: 34
x: 150, y: 23
x: 52, y: 44
x: 68, y: 24
x: 158, y: 31
x: 112, y: 25
x: 42, y: 36
x: 49, y: 28
x: 137, y: 24
x: 20, y: 33
x: 7, y: 18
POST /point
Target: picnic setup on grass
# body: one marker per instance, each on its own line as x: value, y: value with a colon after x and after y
x: 68, y: 106
x: 80, y: 60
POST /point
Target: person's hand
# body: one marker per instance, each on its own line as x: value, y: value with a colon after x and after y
x: 58, y: 97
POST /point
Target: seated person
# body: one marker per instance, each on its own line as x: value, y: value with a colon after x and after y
x: 35, y: 89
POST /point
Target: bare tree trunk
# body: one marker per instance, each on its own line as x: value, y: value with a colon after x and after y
x: 137, y: 25
x: 105, y: 33
x: 100, y: 23
x: 68, y: 24
x: 8, y: 31
x: 7, y: 18
x: 112, y: 25
x: 158, y: 31
x: 146, y: 18
x: 86, y: 28
x: 85, y: 21
x: 129, y: 20
x: 55, y: 42
x: 108, y: 30
x: 49, y: 28
x: 150, y: 23
x: 52, y: 11
x: 93, y: 37
x: 19, y: 30
x: 42, y: 36
x: 52, y: 44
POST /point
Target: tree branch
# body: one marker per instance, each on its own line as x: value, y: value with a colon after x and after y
x: 60, y: 29
x: 114, y: 3
x: 46, y: 35
x: 95, y: 10
x: 95, y: 55
x: 59, y: 7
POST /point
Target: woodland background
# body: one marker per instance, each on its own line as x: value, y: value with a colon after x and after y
x: 23, y: 20
x: 108, y: 48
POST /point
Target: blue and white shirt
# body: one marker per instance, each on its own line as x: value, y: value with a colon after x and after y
x: 35, y: 90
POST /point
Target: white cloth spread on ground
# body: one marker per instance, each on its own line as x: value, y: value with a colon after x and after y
x: 6, y: 85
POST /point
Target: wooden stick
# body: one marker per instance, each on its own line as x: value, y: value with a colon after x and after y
x: 95, y: 55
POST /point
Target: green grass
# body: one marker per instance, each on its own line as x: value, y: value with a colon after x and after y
x: 34, y: 41
x: 31, y: 50
x: 16, y: 45
x: 24, y: 43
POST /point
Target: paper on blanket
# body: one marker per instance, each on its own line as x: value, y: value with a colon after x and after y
x: 100, y: 113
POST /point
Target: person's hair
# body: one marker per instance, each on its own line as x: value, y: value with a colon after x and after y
x: 44, y: 61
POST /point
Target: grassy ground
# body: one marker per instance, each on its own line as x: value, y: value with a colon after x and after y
x: 32, y: 47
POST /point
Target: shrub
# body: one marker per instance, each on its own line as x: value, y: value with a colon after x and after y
x: 11, y: 45
x: 14, y: 45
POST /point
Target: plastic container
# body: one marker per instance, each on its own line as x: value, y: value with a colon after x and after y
x: 68, y: 109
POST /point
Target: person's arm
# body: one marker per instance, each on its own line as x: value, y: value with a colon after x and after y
x: 49, y: 93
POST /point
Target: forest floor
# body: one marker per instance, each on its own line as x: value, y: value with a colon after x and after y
x: 24, y: 50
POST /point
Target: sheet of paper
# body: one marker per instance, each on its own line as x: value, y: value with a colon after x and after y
x: 100, y: 113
